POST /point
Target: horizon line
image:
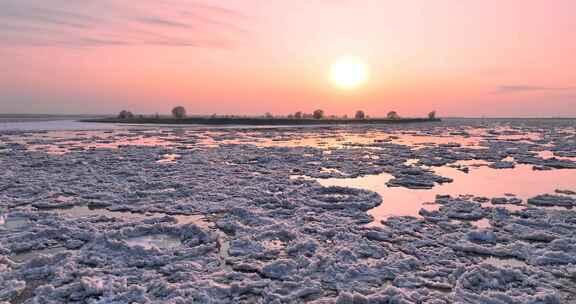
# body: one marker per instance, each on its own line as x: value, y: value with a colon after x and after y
x: 47, y: 115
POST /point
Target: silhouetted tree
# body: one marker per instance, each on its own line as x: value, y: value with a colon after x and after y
x: 268, y: 115
x: 432, y: 115
x: 298, y: 115
x: 360, y: 115
x: 179, y: 112
x: 393, y: 115
x: 318, y: 114
x: 125, y: 114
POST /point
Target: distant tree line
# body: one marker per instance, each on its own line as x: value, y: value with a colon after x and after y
x: 179, y: 112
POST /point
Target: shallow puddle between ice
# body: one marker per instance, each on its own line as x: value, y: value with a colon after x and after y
x: 28, y: 255
x: 483, y: 223
x: 196, y: 219
x: 273, y: 244
x: 546, y: 154
x: 500, y: 262
x: 12, y: 222
x: 330, y: 170
x: 169, y: 158
x: 82, y: 211
x: 480, y: 181
x: 223, y: 250
x: 160, y: 241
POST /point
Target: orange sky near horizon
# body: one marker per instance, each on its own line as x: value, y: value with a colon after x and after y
x: 461, y: 58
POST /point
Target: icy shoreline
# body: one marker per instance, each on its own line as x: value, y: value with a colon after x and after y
x: 240, y: 216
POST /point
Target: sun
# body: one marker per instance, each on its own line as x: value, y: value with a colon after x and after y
x: 348, y: 72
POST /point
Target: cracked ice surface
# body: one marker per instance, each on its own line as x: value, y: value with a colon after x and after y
x: 290, y: 215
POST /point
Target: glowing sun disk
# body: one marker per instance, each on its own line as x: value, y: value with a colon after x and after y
x: 348, y: 72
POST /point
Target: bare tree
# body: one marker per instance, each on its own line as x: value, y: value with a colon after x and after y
x: 298, y: 115
x: 360, y: 115
x: 124, y: 114
x: 393, y: 115
x: 268, y: 115
x: 318, y: 114
x: 179, y: 112
x: 432, y: 115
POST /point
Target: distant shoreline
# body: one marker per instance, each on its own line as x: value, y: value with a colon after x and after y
x: 256, y: 121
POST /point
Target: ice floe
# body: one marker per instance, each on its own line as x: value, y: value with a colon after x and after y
x: 290, y: 215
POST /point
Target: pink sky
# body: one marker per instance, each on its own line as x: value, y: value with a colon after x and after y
x: 460, y: 57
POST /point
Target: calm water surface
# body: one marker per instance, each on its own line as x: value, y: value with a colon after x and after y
x: 522, y: 181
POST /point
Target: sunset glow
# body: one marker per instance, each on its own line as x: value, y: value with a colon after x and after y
x: 462, y: 58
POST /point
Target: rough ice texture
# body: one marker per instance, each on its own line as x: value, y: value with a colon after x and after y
x: 265, y: 237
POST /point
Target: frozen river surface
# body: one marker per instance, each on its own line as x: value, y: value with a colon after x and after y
x: 463, y: 211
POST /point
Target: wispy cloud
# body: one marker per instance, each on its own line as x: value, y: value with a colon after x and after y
x: 24, y: 12
x: 163, y: 22
x: 530, y: 88
x: 97, y: 23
